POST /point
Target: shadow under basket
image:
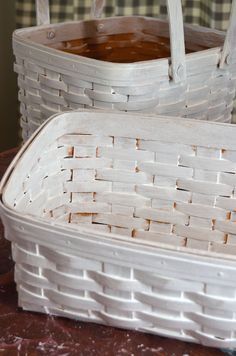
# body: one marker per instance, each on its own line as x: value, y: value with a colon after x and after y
x: 199, y: 84
x: 127, y: 220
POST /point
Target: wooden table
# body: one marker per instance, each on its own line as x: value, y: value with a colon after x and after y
x: 25, y: 333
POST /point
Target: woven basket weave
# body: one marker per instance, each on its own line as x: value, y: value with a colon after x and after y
x: 199, y: 85
x: 116, y: 219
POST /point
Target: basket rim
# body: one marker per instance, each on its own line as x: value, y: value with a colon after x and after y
x: 20, y: 35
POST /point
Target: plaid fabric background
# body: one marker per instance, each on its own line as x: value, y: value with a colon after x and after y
x: 210, y: 13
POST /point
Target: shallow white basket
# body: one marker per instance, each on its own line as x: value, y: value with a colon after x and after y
x: 128, y: 221
x: 199, y: 85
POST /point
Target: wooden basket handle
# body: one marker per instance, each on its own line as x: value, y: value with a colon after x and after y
x: 230, y: 39
x: 97, y: 8
x: 42, y: 12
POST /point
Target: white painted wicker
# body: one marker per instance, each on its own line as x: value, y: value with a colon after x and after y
x: 199, y: 85
x: 129, y: 221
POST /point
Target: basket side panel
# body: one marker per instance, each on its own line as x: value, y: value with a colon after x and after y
x: 63, y: 284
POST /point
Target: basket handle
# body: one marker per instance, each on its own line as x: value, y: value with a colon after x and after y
x: 97, y: 8
x: 230, y: 39
x: 42, y: 12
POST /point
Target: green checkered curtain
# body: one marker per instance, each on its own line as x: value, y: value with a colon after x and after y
x: 210, y: 13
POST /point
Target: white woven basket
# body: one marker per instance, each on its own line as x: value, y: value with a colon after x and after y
x: 128, y: 221
x: 199, y: 85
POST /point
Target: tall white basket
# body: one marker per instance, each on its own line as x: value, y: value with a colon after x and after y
x: 199, y: 85
x: 128, y: 221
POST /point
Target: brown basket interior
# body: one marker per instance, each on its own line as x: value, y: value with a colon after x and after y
x: 123, y: 39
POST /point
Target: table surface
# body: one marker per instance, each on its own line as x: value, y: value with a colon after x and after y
x: 25, y: 333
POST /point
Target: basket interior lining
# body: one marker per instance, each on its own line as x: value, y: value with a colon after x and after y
x: 176, y: 194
